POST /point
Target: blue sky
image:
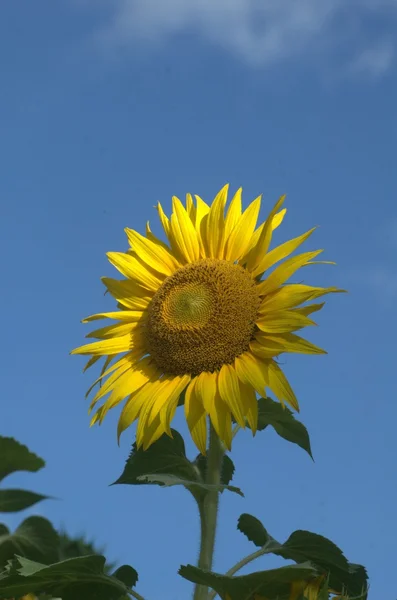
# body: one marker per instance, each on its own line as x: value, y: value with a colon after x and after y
x: 107, y: 108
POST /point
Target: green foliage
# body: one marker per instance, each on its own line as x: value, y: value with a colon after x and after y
x: 35, y: 537
x: 307, y: 546
x: 271, y: 584
x: 253, y: 529
x: 73, y: 579
x: 165, y: 463
x: 73, y: 547
x: 284, y: 423
x: 16, y: 500
x: 16, y: 457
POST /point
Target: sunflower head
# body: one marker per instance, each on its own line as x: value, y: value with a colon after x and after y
x: 208, y: 312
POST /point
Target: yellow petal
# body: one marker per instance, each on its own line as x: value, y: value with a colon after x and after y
x: 308, y: 310
x: 129, y: 383
x: 216, y: 224
x: 134, y: 405
x: 112, y: 346
x: 128, y: 316
x: 165, y: 222
x: 219, y: 413
x: 110, y: 383
x: 278, y: 218
x: 233, y: 213
x: 183, y: 235
x: 206, y: 389
x: 150, y: 236
x: 258, y: 252
x: 126, y: 359
x: 113, y: 331
x: 159, y: 391
x: 240, y: 237
x: 278, y: 383
x: 153, y: 433
x: 251, y: 370
x: 280, y: 252
x: 131, y: 268
x: 250, y: 404
x: 128, y: 293
x: 177, y: 385
x: 190, y: 208
x: 292, y: 295
x: 283, y: 321
x: 229, y: 389
x: 157, y: 257
x: 91, y: 362
x: 291, y: 343
x: 161, y: 405
x: 196, y: 417
x: 202, y: 210
x: 284, y: 272
x: 221, y: 419
x: 265, y: 348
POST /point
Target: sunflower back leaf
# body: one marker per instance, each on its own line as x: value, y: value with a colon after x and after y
x: 165, y: 463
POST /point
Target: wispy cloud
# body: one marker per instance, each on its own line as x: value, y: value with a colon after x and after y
x: 261, y: 31
x: 374, y: 61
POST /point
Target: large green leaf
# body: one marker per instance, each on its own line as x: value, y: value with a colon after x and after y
x: 302, y: 546
x: 165, y: 463
x: 16, y: 500
x: 275, y: 583
x: 305, y: 545
x: 284, y: 423
x: 35, y: 537
x: 16, y: 457
x: 74, y: 579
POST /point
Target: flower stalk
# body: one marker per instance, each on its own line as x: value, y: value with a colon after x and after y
x: 208, y: 509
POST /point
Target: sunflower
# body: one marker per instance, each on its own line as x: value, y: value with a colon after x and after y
x: 204, y: 316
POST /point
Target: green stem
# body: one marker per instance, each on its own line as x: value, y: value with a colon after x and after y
x: 244, y: 561
x: 208, y: 508
x: 136, y: 595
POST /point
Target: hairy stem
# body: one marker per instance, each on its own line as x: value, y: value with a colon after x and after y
x: 208, y: 508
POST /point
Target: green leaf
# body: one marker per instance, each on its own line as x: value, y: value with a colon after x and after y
x: 16, y: 500
x: 274, y: 583
x: 127, y: 575
x: 16, y: 457
x: 170, y: 480
x: 35, y: 537
x: 304, y: 545
x: 72, y: 579
x: 284, y: 423
x: 354, y: 583
x: 227, y: 471
x: 73, y: 547
x: 165, y: 463
x: 253, y: 529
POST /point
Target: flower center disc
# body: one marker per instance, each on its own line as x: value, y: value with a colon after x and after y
x: 202, y: 317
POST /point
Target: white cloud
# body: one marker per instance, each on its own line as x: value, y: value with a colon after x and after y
x: 258, y: 31
x: 374, y: 61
